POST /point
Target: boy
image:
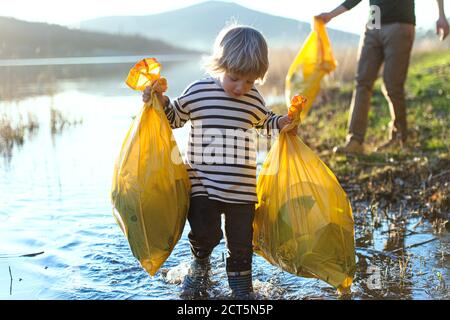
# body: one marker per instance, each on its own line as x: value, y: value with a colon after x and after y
x: 223, y: 110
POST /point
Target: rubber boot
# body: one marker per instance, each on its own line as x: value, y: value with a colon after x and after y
x: 197, y: 281
x: 241, y: 285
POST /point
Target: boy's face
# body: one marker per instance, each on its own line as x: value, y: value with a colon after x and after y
x: 237, y: 85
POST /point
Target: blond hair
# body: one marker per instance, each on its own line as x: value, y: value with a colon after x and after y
x: 240, y: 50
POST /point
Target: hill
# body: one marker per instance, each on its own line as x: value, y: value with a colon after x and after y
x: 195, y: 27
x: 21, y: 39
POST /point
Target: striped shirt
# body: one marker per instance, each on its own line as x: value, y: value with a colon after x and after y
x: 221, y: 155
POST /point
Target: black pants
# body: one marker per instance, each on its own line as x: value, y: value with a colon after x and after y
x: 205, y: 220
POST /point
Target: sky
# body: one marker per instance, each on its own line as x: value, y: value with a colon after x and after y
x: 70, y: 12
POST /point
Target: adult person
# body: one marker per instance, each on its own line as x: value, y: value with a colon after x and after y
x: 389, y: 42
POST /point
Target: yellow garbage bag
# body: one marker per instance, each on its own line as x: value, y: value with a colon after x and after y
x: 303, y: 221
x: 314, y: 60
x: 151, y: 188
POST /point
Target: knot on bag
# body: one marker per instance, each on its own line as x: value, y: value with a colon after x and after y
x: 144, y: 73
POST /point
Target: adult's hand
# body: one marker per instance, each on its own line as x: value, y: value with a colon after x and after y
x: 325, y: 17
x: 442, y: 28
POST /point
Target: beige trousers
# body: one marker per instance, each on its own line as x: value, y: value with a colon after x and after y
x: 392, y: 45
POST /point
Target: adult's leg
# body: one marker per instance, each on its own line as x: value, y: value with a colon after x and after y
x: 397, y: 40
x: 370, y: 58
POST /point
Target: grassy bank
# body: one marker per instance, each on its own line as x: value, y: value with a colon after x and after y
x: 418, y: 178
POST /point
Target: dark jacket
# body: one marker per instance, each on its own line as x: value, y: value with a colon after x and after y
x: 391, y: 10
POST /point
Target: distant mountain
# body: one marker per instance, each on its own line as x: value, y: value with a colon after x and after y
x: 196, y: 27
x: 21, y: 39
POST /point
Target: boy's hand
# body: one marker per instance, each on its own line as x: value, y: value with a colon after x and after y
x: 158, y: 87
x: 284, y: 121
x: 147, y: 93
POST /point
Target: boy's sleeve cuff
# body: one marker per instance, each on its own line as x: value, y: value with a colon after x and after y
x: 277, y: 123
x: 167, y: 104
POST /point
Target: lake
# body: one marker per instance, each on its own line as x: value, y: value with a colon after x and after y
x: 58, y: 238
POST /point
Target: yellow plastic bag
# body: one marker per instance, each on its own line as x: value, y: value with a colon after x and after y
x: 314, y: 60
x: 151, y: 188
x: 303, y: 222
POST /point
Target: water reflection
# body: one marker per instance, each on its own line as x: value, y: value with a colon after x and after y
x: 395, y: 256
x: 27, y: 79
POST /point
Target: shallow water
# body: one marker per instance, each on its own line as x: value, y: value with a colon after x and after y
x: 54, y: 205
